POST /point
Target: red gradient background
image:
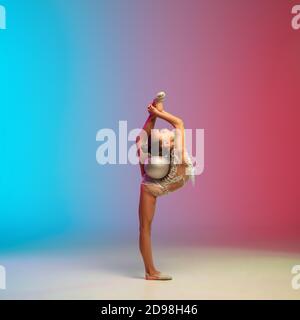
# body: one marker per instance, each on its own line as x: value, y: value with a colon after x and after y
x: 232, y: 68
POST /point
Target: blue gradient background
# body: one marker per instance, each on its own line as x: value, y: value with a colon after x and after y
x: 35, y: 96
x: 64, y: 72
x: 72, y: 67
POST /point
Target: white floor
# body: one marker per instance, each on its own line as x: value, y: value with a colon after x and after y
x: 117, y: 273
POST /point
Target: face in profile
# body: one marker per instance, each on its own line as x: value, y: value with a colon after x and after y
x: 161, y: 142
x: 166, y: 138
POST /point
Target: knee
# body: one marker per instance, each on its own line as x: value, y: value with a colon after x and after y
x: 145, y: 228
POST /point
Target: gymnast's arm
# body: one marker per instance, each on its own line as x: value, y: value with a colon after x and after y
x: 143, y: 138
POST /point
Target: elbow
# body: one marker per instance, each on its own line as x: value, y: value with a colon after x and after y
x: 179, y: 123
x: 138, y: 142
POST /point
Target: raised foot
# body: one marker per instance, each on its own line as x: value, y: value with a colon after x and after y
x: 160, y: 95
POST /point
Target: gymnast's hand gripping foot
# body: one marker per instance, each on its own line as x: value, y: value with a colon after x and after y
x: 165, y: 167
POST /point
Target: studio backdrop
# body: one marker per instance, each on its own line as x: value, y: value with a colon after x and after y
x: 71, y: 68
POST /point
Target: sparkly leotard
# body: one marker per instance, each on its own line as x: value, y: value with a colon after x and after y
x: 173, y: 180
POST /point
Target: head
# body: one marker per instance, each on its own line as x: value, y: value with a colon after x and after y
x: 160, y: 141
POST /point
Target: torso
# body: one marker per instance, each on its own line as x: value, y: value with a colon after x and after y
x: 177, y: 176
